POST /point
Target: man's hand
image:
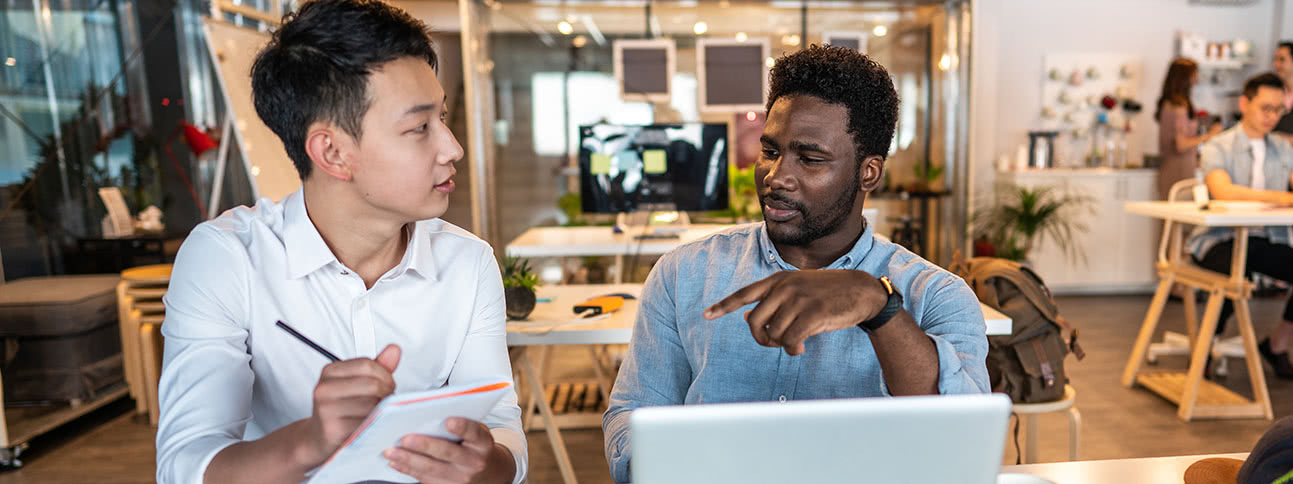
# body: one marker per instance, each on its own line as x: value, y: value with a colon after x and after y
x: 794, y: 305
x: 476, y: 459
x: 347, y: 391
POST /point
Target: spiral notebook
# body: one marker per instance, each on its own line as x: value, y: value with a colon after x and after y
x: 360, y: 458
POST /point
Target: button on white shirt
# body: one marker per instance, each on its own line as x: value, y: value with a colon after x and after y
x: 229, y: 374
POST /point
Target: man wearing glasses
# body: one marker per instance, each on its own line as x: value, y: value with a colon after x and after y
x: 1246, y: 162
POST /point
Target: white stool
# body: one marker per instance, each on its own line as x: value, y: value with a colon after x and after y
x: 1028, y: 412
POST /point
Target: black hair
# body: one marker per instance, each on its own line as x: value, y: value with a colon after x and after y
x: 846, y: 77
x: 1268, y: 79
x: 316, y: 66
x: 1285, y: 45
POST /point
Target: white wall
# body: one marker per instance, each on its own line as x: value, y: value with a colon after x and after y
x: 1011, y: 38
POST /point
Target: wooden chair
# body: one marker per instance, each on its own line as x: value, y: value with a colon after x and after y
x: 1176, y: 344
x: 141, y: 313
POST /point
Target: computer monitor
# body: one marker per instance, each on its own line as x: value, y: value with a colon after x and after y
x: 891, y: 440
x: 623, y: 169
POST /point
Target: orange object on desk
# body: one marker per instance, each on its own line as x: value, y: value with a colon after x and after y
x: 600, y: 305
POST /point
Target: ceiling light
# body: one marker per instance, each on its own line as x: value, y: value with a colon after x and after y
x: 751, y: 116
x: 700, y: 28
x: 580, y: 41
x: 791, y: 40
x: 769, y: 62
x: 741, y: 37
x: 880, y: 31
x: 565, y: 28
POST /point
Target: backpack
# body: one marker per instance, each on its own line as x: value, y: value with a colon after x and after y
x: 1028, y: 364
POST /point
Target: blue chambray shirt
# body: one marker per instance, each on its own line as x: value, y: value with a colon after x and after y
x: 677, y: 357
x: 1231, y: 151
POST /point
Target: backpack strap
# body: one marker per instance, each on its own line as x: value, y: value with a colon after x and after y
x: 1029, y: 284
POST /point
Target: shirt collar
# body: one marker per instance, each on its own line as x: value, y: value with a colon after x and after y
x: 307, y: 252
x: 417, y: 257
x: 849, y: 260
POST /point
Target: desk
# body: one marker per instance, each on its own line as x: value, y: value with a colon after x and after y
x: 1196, y: 397
x: 552, y: 323
x: 1154, y: 470
x: 602, y: 241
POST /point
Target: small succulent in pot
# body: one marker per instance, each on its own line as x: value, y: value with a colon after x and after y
x: 519, y: 282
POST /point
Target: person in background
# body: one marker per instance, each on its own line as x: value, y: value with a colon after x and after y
x: 1282, y: 64
x: 1178, y: 130
x: 1247, y: 163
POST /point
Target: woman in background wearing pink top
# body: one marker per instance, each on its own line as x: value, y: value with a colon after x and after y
x: 1178, y: 130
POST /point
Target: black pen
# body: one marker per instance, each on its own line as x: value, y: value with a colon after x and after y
x: 307, y: 341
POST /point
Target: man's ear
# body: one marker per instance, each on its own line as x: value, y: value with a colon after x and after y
x: 328, y: 147
x: 1243, y: 103
x: 871, y: 173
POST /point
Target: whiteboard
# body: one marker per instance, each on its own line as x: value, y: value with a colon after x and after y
x: 233, y: 50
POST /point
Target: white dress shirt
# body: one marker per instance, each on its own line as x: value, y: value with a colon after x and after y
x: 229, y: 374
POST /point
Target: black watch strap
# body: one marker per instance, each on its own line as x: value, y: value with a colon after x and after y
x: 891, y: 308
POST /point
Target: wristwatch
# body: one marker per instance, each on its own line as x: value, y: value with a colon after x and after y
x: 891, y: 308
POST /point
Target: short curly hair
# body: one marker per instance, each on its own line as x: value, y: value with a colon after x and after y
x: 843, y: 76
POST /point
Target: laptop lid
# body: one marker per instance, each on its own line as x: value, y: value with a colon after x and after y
x: 888, y: 440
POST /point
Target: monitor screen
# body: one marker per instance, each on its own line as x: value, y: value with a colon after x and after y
x: 623, y: 168
x: 646, y: 71
x: 734, y: 75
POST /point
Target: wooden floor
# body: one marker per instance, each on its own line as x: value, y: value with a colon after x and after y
x: 113, y: 447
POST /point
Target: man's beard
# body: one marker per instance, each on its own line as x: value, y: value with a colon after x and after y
x: 813, y: 226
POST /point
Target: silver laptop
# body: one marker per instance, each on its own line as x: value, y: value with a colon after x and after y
x: 940, y: 439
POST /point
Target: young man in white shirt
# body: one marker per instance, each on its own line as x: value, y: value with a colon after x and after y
x: 356, y: 261
x: 1247, y: 162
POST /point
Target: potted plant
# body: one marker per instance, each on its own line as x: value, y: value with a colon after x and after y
x: 519, y: 282
x: 1020, y: 217
x: 743, y: 197
x: 927, y: 180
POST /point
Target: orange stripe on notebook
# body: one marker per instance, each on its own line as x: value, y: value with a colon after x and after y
x: 486, y: 388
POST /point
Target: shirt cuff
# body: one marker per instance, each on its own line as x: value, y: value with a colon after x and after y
x: 515, y: 443
x: 952, y: 376
x: 189, y: 464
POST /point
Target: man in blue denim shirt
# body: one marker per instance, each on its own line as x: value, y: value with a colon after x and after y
x: 837, y: 312
x: 1247, y: 163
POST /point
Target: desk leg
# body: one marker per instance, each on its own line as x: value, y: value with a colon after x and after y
x: 619, y: 268
x: 554, y: 434
x: 1199, y: 357
x: 532, y: 401
x: 1256, y: 374
x: 1147, y: 330
x: 599, y: 367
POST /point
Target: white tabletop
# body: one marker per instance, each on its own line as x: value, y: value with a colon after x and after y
x: 603, y: 241
x: 1153, y: 470
x: 554, y: 323
x: 1219, y: 214
x: 600, y: 241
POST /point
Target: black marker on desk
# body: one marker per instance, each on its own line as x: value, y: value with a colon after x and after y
x: 307, y: 341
